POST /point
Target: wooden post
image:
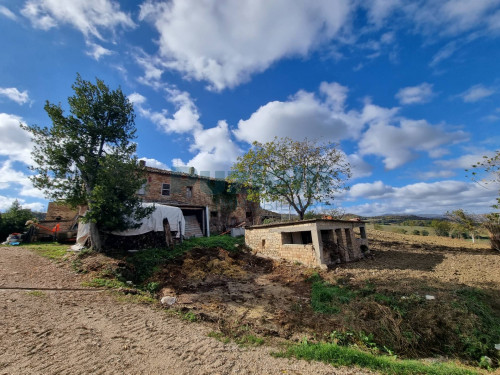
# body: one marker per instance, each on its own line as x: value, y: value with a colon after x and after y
x: 168, y: 235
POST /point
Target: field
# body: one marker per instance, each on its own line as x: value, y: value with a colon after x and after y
x: 429, y: 298
x: 417, y: 297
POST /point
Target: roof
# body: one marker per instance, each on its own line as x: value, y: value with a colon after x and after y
x: 289, y: 223
x: 181, y: 174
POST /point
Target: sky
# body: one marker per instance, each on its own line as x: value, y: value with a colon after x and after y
x: 408, y: 89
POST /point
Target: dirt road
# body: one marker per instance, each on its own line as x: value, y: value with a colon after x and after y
x: 64, y: 329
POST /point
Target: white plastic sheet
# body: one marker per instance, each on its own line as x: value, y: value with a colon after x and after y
x: 153, y: 223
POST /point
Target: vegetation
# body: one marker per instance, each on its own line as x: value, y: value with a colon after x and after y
x: 146, y: 262
x: 51, y: 250
x: 14, y: 220
x: 350, y: 356
x: 87, y: 157
x: 464, y: 222
x: 299, y: 173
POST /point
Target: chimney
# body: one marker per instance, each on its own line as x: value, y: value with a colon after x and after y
x: 142, y: 163
x: 191, y: 171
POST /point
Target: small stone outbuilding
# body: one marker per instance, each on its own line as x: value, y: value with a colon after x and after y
x: 315, y: 243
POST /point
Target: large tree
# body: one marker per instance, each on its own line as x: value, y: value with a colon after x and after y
x: 87, y: 157
x: 300, y: 173
x: 14, y: 220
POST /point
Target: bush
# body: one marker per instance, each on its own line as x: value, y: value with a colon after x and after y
x: 416, y: 232
x: 425, y: 233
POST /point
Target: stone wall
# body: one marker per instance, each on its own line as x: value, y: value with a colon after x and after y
x: 311, y: 242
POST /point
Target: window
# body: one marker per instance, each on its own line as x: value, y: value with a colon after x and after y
x: 298, y: 238
x: 142, y: 190
x: 189, y: 192
x: 165, y: 189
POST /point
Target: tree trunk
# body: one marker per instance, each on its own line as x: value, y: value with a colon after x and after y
x: 473, y: 239
x: 95, y: 238
x: 301, y: 215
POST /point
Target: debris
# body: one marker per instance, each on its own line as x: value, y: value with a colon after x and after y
x: 497, y: 346
x: 168, y: 300
x: 428, y: 297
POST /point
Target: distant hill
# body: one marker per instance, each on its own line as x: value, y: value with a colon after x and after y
x: 398, y: 219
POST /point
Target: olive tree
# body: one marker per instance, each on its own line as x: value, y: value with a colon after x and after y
x: 87, y: 157
x: 300, y: 173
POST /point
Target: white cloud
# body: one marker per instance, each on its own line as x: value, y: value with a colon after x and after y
x: 397, y: 144
x: 155, y: 163
x: 359, y: 167
x: 97, y: 51
x: 90, y: 17
x: 421, y: 198
x: 7, y: 13
x: 216, y: 150
x: 136, y: 98
x: 379, y: 10
x: 476, y: 93
x: 6, y: 203
x: 206, y: 40
x: 430, y: 175
x: 15, y: 143
x: 18, y: 181
x: 305, y: 116
x: 415, y: 94
x: 14, y: 94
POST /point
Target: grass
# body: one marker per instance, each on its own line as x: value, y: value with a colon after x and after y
x: 243, y: 340
x: 51, y: 250
x: 327, y: 298
x: 347, y: 356
x: 36, y: 293
x: 105, y: 283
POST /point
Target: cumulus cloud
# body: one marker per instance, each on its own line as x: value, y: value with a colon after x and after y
x: 476, y: 93
x: 420, y: 198
x: 415, y: 94
x: 214, y: 148
x: 15, y: 143
x: 304, y: 115
x: 155, y: 163
x: 90, y: 17
x: 463, y: 162
x: 206, y: 41
x: 6, y: 203
x: 397, y: 144
x: 359, y: 167
x: 4, y: 11
x: 97, y: 51
x: 14, y: 94
x: 17, y: 181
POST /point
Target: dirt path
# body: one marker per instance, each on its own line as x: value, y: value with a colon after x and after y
x: 83, y: 332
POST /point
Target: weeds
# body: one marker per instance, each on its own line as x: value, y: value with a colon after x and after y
x: 37, y: 293
x: 51, y: 250
x: 105, y: 283
x: 348, y: 356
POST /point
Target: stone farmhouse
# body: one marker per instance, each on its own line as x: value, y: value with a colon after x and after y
x: 315, y: 243
x: 206, y: 203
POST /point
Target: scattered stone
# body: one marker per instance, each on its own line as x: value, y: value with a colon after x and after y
x: 130, y: 282
x: 428, y: 297
x: 168, y: 300
x: 497, y: 346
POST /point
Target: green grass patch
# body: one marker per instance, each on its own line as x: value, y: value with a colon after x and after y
x: 347, y: 356
x: 51, y: 250
x: 105, y: 283
x: 486, y: 330
x: 37, y: 293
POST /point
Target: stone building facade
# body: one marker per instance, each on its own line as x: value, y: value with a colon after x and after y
x: 204, y: 198
x: 315, y: 243
x: 207, y: 205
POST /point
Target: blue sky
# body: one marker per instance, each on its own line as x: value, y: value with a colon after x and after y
x: 410, y: 89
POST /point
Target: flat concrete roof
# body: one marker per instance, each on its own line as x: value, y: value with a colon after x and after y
x: 310, y: 221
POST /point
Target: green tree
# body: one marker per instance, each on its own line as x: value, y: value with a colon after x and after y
x: 87, y: 158
x: 300, y: 173
x: 14, y: 220
x: 441, y: 227
x: 464, y: 222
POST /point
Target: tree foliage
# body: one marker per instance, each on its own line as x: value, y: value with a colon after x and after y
x: 441, y: 227
x: 299, y: 173
x: 464, y: 222
x: 14, y: 220
x: 87, y: 157
x: 491, y: 166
